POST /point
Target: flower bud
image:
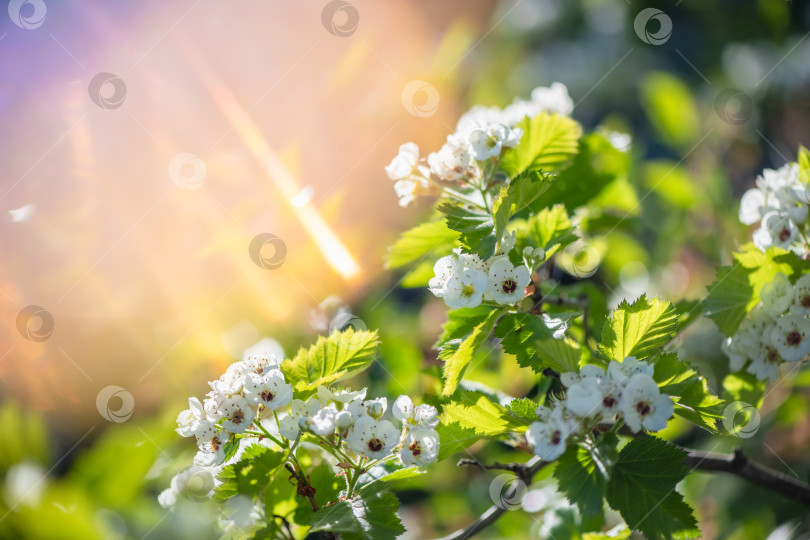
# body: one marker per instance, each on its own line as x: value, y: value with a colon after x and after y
x: 304, y: 423
x: 344, y: 420
x: 375, y: 410
x: 539, y: 254
x: 527, y: 251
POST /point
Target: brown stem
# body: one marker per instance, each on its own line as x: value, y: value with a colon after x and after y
x: 524, y: 471
x: 739, y: 465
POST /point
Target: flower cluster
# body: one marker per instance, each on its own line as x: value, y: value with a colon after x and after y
x: 780, y: 204
x: 776, y: 331
x: 625, y: 392
x: 481, y: 135
x: 344, y: 423
x: 465, y: 280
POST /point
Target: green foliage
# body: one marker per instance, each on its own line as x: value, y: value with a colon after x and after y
x: 250, y: 474
x: 640, y: 329
x: 596, y: 167
x: 642, y: 489
x: 671, y: 109
x: 804, y: 165
x: 744, y: 387
x: 523, y: 409
x: 522, y: 191
x: 475, y: 225
x: 583, y: 473
x: 331, y: 359
x: 532, y: 342
x: 550, y: 229
x: 457, y: 361
x: 454, y: 438
x: 736, y: 290
x: 548, y: 143
x: 694, y: 401
x: 461, y: 322
x: 30, y: 440
x: 370, y: 515
x: 433, y: 237
x: 475, y: 411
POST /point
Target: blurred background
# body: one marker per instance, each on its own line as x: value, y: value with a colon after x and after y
x: 179, y: 180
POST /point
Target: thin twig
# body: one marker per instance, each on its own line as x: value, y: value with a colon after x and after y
x: 739, y: 465
x: 286, y: 525
x: 524, y: 471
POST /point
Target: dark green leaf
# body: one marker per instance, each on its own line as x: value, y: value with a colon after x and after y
x: 642, y: 489
x: 693, y: 399
x: 475, y: 225
x: 369, y: 515
x: 461, y: 322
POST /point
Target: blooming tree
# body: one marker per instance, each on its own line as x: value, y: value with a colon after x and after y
x: 507, y: 249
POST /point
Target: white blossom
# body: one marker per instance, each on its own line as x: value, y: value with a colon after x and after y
x: 643, y: 406
x: 790, y: 337
x: 777, y: 295
x: 584, y: 399
x: 549, y: 436
x: 421, y: 447
x: 237, y: 414
x: 488, y: 140
x: 424, y: 416
x: 800, y: 304
x: 372, y: 438
x: 506, y: 283
x: 454, y: 162
x: 268, y: 390
x: 188, y: 421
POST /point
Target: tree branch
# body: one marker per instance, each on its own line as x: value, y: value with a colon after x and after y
x: 524, y: 471
x: 739, y: 465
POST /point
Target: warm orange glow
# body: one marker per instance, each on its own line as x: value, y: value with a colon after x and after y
x: 324, y: 237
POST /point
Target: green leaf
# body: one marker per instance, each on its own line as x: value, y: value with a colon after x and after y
x: 461, y: 322
x: 454, y: 438
x: 642, y: 489
x: 736, y: 290
x: 457, y: 361
x: 671, y: 109
x: 804, y: 165
x: 591, y: 178
x: 530, y: 339
x: 693, y: 399
x: 475, y: 411
x: 250, y: 474
x: 582, y: 474
x: 423, y: 240
x: 549, y: 141
x: 641, y: 329
x: 402, y: 474
x: 523, y: 409
x: 523, y: 190
x: 327, y: 488
x: 330, y: 359
x: 475, y: 225
x: 561, y: 355
x: 551, y: 229
x: 744, y: 387
x: 370, y: 515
